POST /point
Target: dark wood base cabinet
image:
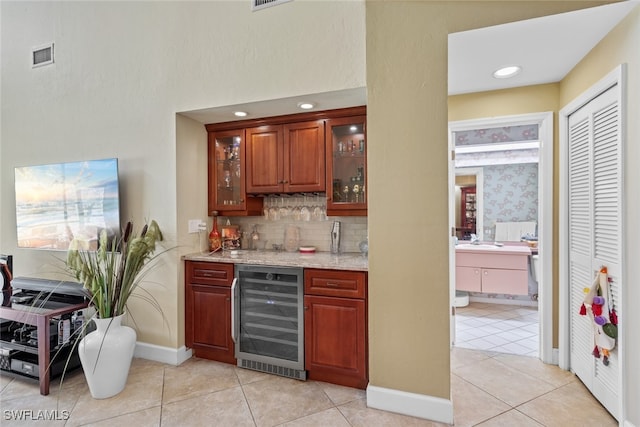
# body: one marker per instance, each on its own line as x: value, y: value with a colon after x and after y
x: 335, y: 325
x: 208, y: 310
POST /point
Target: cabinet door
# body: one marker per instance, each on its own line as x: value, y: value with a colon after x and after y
x: 335, y: 340
x: 468, y: 279
x: 264, y: 160
x: 208, y: 310
x: 227, y: 192
x: 208, y: 326
x: 346, y: 166
x: 304, y: 157
x: 514, y: 282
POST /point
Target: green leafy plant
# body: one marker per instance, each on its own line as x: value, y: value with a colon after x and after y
x: 111, y: 274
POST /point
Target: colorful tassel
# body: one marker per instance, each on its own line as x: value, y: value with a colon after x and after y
x: 613, y: 316
x: 596, y: 352
x: 583, y: 311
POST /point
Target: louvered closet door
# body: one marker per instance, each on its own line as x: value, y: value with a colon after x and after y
x: 595, y: 233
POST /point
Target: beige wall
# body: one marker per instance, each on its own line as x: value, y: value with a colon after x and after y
x: 407, y: 131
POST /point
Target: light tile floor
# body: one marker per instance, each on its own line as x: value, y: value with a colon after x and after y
x: 502, y: 328
x: 488, y: 389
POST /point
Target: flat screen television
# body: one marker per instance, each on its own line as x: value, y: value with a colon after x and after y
x: 59, y: 202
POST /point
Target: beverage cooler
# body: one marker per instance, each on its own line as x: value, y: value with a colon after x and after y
x: 268, y: 319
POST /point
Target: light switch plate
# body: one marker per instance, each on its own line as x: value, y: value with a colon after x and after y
x: 194, y: 225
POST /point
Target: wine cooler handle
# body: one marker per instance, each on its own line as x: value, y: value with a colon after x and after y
x: 233, y: 309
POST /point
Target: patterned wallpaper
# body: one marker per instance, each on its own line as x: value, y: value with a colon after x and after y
x: 510, y: 194
x: 522, y: 133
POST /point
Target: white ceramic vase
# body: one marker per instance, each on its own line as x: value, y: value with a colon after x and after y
x: 106, y: 355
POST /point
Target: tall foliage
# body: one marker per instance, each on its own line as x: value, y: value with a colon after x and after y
x: 112, y: 273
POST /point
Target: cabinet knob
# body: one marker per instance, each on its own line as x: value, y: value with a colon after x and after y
x: 227, y: 299
x: 306, y: 307
x: 285, y: 182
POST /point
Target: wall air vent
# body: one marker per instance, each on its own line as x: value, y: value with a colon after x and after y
x: 262, y: 4
x: 42, y: 55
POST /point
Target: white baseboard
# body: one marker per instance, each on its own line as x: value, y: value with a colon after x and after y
x: 413, y: 404
x: 505, y: 301
x: 171, y: 356
x: 628, y: 423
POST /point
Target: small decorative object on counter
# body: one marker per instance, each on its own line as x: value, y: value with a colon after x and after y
x: 230, y: 236
x: 255, y: 237
x: 291, y: 238
x: 215, y: 242
x: 364, y: 247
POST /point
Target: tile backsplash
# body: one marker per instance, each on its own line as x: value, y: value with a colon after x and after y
x: 312, y: 233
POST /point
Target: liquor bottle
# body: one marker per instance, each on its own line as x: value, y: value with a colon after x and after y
x: 215, y: 242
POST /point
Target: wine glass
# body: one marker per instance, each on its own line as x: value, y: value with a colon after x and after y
x: 274, y: 213
x: 283, y: 210
x: 295, y: 213
x: 265, y: 208
x: 305, y: 213
x: 317, y: 209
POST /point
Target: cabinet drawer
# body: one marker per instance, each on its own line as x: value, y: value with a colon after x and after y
x: 209, y: 273
x: 335, y: 283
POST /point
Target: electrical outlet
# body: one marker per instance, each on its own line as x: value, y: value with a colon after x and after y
x: 195, y: 225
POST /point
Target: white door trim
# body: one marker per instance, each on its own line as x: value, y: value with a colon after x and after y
x: 617, y: 78
x: 545, y: 213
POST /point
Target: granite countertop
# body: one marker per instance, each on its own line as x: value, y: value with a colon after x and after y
x: 325, y: 260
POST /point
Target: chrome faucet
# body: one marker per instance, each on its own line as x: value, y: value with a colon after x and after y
x: 474, y: 239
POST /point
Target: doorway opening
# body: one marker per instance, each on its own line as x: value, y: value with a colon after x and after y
x: 521, y: 323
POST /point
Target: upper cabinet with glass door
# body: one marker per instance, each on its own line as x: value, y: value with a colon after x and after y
x: 227, y: 193
x: 346, y: 149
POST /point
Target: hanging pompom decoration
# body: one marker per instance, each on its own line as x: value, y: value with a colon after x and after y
x: 605, y: 358
x: 600, y: 320
x: 613, y: 316
x: 596, y: 352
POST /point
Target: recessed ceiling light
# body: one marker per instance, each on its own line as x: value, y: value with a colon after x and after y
x: 506, y: 72
x: 240, y: 113
x: 353, y: 128
x: 306, y: 105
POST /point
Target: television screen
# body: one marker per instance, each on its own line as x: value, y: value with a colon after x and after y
x: 60, y: 202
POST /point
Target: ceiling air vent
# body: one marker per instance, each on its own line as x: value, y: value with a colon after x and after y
x: 262, y: 4
x: 42, y: 55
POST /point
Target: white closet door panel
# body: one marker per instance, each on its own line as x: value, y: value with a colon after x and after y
x: 606, y: 181
x: 595, y: 233
x: 580, y: 186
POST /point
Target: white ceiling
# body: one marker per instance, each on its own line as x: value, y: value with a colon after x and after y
x: 546, y: 48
